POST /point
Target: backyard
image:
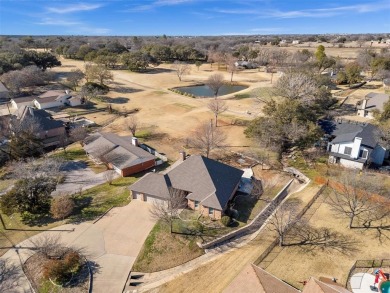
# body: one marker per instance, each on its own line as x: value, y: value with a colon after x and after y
x: 190, y: 228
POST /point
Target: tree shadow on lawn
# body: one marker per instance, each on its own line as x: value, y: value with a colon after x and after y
x: 157, y: 70
x: 117, y: 100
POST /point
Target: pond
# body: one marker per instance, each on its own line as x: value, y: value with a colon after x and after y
x: 205, y: 91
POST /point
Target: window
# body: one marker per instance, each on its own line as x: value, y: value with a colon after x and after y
x: 363, y: 154
x: 347, y: 151
x: 211, y: 211
x: 196, y: 203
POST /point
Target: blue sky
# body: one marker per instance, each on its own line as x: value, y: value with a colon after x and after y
x: 192, y: 17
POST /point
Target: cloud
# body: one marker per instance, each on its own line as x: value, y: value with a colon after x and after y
x: 59, y: 22
x: 158, y: 3
x: 73, y: 8
x: 317, y: 12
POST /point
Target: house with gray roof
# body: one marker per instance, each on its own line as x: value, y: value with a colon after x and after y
x: 207, y: 185
x: 120, y: 153
x: 51, y: 131
x: 373, y: 102
x: 354, y: 144
x: 17, y: 103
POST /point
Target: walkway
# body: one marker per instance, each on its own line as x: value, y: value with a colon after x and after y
x: 113, y: 243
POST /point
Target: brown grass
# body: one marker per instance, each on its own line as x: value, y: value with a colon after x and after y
x: 295, y: 264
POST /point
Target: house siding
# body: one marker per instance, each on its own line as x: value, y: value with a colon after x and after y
x: 137, y: 168
x: 42, y: 105
x: 378, y: 155
x: 351, y: 164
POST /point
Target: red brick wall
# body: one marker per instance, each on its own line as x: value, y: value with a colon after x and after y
x: 138, y: 168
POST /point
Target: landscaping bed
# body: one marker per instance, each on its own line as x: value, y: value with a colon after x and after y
x: 33, y: 267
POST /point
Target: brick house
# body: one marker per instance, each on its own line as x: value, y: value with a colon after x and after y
x: 120, y: 153
x: 51, y: 131
x: 207, y: 185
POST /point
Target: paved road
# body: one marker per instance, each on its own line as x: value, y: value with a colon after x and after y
x: 113, y: 243
x: 78, y: 174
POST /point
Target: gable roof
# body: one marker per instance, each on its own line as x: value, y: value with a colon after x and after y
x: 52, y: 93
x: 347, y: 131
x: 316, y: 286
x: 254, y: 279
x: 376, y: 101
x: 24, y: 99
x: 153, y: 184
x: 43, y: 118
x: 118, y: 150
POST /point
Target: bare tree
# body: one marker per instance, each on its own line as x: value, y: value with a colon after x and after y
x: 98, y: 72
x: 132, y: 124
x: 181, y: 69
x: 215, y: 82
x: 231, y: 66
x: 217, y: 107
x: 74, y: 78
x: 297, y: 86
x: 109, y: 175
x: 207, y: 138
x: 354, y: 198
x: 168, y: 210
x: 62, y: 206
x: 78, y: 134
x: 283, y: 219
x: 33, y: 168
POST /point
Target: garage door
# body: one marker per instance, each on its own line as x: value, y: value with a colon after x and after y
x: 154, y: 200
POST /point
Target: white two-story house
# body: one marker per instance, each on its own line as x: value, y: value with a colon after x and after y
x: 355, y: 145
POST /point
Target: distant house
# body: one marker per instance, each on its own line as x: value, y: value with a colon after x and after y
x: 17, y: 103
x: 4, y: 92
x: 51, y: 131
x: 120, y: 153
x: 354, y: 145
x: 253, y: 279
x: 52, y: 99
x: 373, y: 102
x: 246, y: 64
x: 208, y: 185
x: 296, y: 42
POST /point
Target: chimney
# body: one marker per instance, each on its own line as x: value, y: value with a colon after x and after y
x: 134, y: 141
x: 183, y: 155
x: 364, y: 104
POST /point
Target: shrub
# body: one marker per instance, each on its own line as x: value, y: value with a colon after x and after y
x: 61, y: 207
x: 103, y: 89
x: 61, y: 270
x: 225, y: 220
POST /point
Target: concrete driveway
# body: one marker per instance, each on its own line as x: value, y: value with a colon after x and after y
x: 79, y: 175
x: 113, y: 243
